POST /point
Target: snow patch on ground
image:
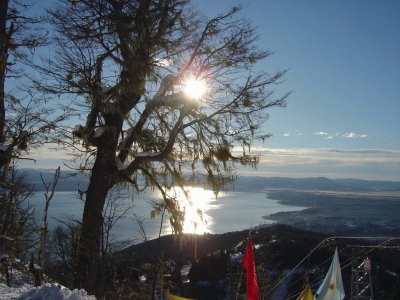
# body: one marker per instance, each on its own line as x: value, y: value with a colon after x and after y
x: 7, y: 292
x: 54, y: 291
x: 22, y: 288
x: 45, y: 291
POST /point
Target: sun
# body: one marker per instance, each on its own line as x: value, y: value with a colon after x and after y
x: 194, y: 88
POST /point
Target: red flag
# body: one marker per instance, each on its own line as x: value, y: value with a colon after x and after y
x: 251, y: 276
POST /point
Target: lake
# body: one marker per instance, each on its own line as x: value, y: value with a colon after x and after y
x: 230, y: 211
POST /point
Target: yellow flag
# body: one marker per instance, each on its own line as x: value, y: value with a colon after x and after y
x: 306, y: 294
x: 173, y: 297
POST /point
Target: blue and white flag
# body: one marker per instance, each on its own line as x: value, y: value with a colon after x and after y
x: 332, y: 286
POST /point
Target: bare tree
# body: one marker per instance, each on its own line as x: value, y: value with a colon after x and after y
x: 25, y: 121
x: 63, y: 247
x: 48, y: 194
x: 115, y: 209
x: 17, y: 222
x: 125, y: 62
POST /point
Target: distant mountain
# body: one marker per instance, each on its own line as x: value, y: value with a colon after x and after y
x: 70, y: 181
x: 257, y: 183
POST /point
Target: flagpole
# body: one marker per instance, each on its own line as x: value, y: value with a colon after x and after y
x: 241, y: 273
x: 161, y: 275
x: 239, y: 283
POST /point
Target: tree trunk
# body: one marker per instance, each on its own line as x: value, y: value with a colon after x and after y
x: 50, y: 188
x: 101, y: 181
x: 42, y: 246
x: 92, y: 222
x: 3, y: 64
x: 89, y: 242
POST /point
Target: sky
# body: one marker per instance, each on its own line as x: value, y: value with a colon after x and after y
x: 343, y: 62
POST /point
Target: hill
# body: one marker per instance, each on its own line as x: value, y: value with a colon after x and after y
x: 257, y: 183
x: 70, y: 181
x: 215, y: 271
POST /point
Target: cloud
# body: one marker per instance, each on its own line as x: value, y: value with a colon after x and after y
x: 337, y: 135
x: 353, y: 135
x: 350, y: 135
x: 323, y: 133
x: 287, y: 134
x: 49, y: 157
x: 374, y: 164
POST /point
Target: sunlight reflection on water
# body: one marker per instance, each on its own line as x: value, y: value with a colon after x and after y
x: 196, y: 206
x: 204, y: 212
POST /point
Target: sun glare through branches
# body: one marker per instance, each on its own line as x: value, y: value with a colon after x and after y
x: 194, y: 88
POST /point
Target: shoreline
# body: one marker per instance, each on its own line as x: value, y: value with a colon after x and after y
x: 339, y: 211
